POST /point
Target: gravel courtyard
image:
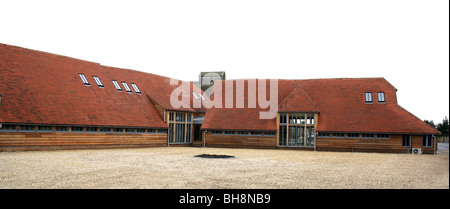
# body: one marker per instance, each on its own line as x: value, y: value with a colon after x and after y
x: 176, y: 167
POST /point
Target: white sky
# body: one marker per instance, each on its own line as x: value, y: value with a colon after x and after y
x: 407, y: 42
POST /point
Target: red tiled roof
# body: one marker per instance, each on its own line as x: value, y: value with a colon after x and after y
x: 44, y: 88
x: 298, y: 101
x: 340, y: 103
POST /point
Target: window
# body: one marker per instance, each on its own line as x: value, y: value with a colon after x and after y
x: 45, y: 129
x: 256, y: 133
x: 99, y: 83
x: 8, y: 128
x: 27, y: 128
x: 216, y: 132
x: 77, y: 129
x: 338, y: 135
x: 242, y: 133
x: 228, y: 132
x: 129, y: 130
x: 136, y: 89
x: 180, y: 117
x: 91, y: 129
x: 310, y: 119
x: 352, y: 135
x: 117, y: 130
x: 61, y: 129
x: 116, y: 84
x: 371, y: 136
x: 282, y: 118
x: 270, y: 133
x: 381, y: 97
x: 105, y: 130
x: 427, y: 141
x: 406, y: 142
x: 83, y: 78
x: 296, y: 118
x: 369, y: 97
x: 126, y: 87
x: 196, y: 97
x: 140, y: 131
x: 382, y: 136
x: 151, y: 131
x: 162, y: 131
x: 323, y: 135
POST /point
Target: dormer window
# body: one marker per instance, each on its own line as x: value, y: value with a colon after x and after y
x: 381, y: 97
x: 369, y: 97
x: 126, y: 87
x: 83, y: 78
x: 116, y: 84
x: 99, y: 83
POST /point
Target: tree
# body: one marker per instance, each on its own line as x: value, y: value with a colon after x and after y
x: 443, y: 127
x: 431, y: 123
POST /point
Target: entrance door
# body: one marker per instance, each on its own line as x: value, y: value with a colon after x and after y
x: 197, y: 132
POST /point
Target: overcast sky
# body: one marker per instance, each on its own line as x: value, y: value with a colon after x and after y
x: 407, y: 42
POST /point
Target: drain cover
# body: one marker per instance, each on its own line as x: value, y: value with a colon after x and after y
x: 213, y: 156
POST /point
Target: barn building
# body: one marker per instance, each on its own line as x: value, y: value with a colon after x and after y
x: 49, y: 101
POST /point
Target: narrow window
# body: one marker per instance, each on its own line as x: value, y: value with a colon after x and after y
x: 105, y: 130
x: 242, y: 133
x: 382, y: 136
x: 256, y: 133
x: 91, y: 129
x: 406, y: 140
x: 370, y: 136
x: 8, y: 128
x: 323, y: 135
x: 136, y: 89
x: 381, y: 97
x: 99, y: 83
x: 216, y: 132
x: 228, y: 132
x: 270, y: 133
x: 77, y: 129
x: 369, y: 97
x: 61, y: 129
x: 427, y: 141
x: 126, y: 87
x: 116, y: 84
x: 151, y: 131
x: 45, y: 129
x: 129, y: 131
x: 27, y: 128
x: 338, y: 135
x: 352, y: 135
x: 83, y: 78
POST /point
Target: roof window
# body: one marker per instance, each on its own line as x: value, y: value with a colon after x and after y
x: 369, y: 97
x: 116, y: 84
x: 196, y: 97
x: 381, y: 97
x: 99, y: 83
x: 126, y: 87
x: 136, y: 89
x: 83, y: 78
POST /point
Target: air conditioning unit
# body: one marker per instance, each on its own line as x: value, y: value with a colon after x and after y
x: 416, y: 151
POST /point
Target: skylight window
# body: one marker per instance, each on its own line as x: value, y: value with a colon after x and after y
x: 196, y: 97
x: 126, y: 87
x: 83, y: 78
x: 381, y: 97
x: 369, y: 97
x: 116, y: 84
x: 99, y: 83
x: 136, y: 89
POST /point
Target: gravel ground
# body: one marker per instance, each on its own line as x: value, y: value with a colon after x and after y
x: 176, y: 167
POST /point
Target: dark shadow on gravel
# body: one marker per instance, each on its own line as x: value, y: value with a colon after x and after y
x: 214, y: 156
